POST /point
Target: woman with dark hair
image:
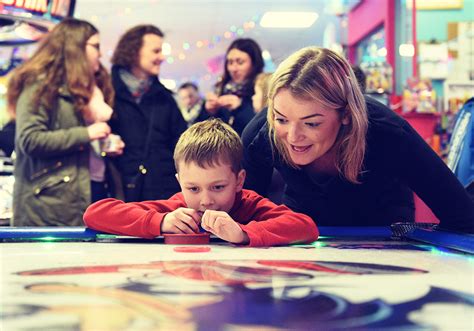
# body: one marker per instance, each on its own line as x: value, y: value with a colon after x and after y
x: 146, y: 116
x: 347, y: 160
x: 232, y: 101
x: 58, y: 98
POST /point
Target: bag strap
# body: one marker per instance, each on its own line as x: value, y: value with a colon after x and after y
x: 142, y: 167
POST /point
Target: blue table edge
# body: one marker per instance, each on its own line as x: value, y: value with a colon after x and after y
x: 460, y: 242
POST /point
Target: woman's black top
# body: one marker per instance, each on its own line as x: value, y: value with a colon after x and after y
x: 397, y: 160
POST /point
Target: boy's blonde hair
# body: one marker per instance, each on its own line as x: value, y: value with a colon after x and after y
x: 210, y: 143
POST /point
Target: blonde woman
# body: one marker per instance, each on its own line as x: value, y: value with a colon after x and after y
x: 346, y: 160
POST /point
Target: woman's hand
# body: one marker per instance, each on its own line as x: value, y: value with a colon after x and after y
x: 182, y: 220
x: 222, y: 225
x: 211, y: 103
x: 98, y: 130
x: 229, y: 101
x: 116, y: 145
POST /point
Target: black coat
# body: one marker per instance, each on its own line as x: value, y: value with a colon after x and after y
x: 131, y: 121
x: 7, y: 138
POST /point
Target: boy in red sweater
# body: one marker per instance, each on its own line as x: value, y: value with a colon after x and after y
x: 208, y: 159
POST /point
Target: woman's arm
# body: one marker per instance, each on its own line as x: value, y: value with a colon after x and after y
x: 140, y: 219
x: 35, y: 136
x: 271, y: 225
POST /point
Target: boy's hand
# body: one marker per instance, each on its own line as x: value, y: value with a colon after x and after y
x: 182, y: 220
x: 223, y: 226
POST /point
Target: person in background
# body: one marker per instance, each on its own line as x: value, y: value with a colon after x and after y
x: 191, y: 104
x: 146, y: 116
x: 58, y: 99
x: 232, y: 101
x: 259, y: 99
x: 7, y: 119
x: 347, y: 160
x: 208, y: 159
x: 7, y: 136
x: 361, y: 78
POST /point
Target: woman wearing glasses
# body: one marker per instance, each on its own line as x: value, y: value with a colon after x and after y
x: 61, y: 97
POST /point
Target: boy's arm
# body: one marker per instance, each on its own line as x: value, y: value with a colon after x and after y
x: 139, y: 219
x: 271, y: 224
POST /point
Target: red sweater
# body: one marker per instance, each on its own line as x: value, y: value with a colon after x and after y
x: 265, y: 223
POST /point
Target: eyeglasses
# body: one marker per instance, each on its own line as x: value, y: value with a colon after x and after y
x: 96, y: 46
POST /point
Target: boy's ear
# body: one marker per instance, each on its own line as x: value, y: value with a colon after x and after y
x: 177, y: 177
x: 240, y: 180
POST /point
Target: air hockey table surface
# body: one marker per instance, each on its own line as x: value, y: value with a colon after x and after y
x: 355, y: 279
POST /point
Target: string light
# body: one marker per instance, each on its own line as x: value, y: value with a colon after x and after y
x: 232, y: 32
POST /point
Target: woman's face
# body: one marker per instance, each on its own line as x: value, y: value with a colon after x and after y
x: 150, y: 56
x: 239, y: 65
x: 93, y: 52
x: 306, y: 128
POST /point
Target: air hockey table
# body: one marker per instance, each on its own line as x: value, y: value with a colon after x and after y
x: 350, y: 279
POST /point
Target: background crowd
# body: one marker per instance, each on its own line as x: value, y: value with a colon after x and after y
x: 334, y: 154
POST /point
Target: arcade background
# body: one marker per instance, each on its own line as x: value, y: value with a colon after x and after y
x: 423, y: 71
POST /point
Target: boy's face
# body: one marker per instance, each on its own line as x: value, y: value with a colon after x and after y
x: 209, y: 188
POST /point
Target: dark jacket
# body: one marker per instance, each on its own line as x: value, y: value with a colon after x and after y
x: 131, y: 121
x: 397, y: 159
x: 52, y: 181
x: 239, y: 117
x: 7, y: 138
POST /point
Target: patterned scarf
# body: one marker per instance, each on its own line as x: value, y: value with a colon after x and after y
x: 137, y: 87
x: 239, y: 89
x: 191, y: 114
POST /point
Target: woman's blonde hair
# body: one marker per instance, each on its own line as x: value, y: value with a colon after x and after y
x: 61, y: 60
x: 319, y: 74
x: 209, y: 143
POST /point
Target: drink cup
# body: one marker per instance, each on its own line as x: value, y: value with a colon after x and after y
x: 110, y: 144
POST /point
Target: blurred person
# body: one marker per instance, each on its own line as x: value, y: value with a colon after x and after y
x: 191, y: 104
x: 232, y: 101
x: 146, y: 116
x: 7, y: 135
x: 259, y: 99
x: 58, y: 99
x: 361, y: 78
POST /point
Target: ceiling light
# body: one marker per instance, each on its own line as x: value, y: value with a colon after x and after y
x: 166, y: 48
x: 406, y: 50
x: 170, y: 84
x: 273, y: 19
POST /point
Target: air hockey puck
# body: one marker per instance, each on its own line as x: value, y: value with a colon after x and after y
x: 187, y: 239
x: 189, y: 249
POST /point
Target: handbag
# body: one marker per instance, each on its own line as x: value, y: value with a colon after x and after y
x: 133, y: 185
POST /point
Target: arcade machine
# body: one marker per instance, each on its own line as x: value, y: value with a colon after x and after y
x: 22, y: 24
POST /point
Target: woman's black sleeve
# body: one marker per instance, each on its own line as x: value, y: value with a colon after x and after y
x: 258, y: 160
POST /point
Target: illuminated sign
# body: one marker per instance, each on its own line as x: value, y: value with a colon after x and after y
x: 26, y: 21
x: 37, y: 11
